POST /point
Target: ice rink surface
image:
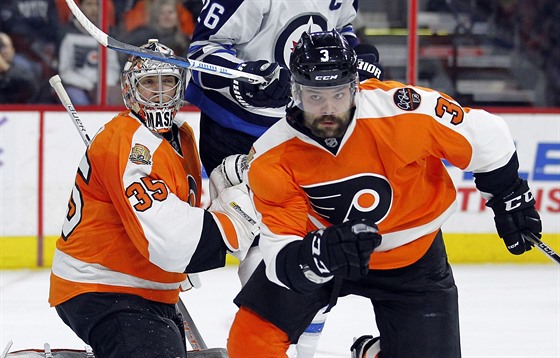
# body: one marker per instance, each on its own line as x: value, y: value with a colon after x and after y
x: 506, y: 311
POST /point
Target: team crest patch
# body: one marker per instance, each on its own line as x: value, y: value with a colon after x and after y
x: 140, y: 154
x: 407, y: 99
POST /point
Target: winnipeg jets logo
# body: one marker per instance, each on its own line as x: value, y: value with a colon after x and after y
x: 357, y: 197
x: 289, y: 36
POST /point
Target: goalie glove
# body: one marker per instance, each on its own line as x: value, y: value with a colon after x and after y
x: 236, y: 219
x: 340, y: 250
x: 516, y: 217
x: 228, y: 173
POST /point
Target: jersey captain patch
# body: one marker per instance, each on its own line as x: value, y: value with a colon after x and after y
x: 357, y: 197
x: 140, y: 154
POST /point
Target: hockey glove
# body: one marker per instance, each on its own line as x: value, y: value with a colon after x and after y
x: 368, y: 62
x: 273, y: 94
x: 236, y: 218
x: 227, y: 174
x: 516, y: 217
x: 341, y: 250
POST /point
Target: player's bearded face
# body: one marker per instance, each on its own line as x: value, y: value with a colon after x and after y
x: 327, y: 126
x: 326, y: 111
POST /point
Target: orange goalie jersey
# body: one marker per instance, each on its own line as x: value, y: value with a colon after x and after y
x: 387, y: 167
x: 132, y: 224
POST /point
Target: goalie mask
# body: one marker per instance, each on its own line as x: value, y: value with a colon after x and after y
x: 324, y: 73
x: 153, y: 89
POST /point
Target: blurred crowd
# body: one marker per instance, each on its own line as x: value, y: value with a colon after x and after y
x: 41, y: 38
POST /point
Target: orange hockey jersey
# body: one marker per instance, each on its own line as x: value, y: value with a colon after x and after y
x: 387, y: 166
x: 133, y: 225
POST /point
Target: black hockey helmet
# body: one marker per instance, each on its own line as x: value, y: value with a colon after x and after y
x: 323, y: 59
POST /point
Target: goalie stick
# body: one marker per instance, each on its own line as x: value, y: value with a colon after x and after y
x: 116, y: 45
x: 191, y: 331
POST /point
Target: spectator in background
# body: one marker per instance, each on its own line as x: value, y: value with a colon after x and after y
x: 164, y: 24
x: 140, y: 14
x: 79, y: 59
x: 17, y: 83
x: 33, y: 28
x: 65, y: 15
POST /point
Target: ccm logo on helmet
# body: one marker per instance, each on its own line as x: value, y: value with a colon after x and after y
x: 326, y: 78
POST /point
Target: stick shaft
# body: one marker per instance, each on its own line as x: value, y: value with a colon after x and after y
x: 191, y: 331
x: 543, y: 247
x: 56, y: 84
x: 116, y: 45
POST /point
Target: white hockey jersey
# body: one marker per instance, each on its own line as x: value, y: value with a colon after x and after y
x: 235, y: 31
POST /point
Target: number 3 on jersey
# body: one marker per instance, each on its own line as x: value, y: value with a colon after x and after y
x: 445, y: 106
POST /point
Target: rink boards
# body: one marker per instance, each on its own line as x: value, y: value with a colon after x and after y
x: 40, y: 151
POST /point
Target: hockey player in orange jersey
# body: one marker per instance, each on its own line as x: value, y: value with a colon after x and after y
x: 133, y: 227
x: 352, y: 193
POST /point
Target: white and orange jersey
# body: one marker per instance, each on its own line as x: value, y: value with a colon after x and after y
x: 133, y: 225
x: 387, y: 166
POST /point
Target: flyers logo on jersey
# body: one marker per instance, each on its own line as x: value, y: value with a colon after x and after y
x: 140, y: 155
x: 362, y: 196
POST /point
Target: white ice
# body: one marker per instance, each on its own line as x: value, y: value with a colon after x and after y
x: 505, y: 311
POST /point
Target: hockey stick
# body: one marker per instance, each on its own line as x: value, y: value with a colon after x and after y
x: 194, y: 337
x: 56, y: 84
x: 533, y: 239
x: 116, y: 45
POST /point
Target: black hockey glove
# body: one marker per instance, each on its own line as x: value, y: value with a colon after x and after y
x: 368, y: 62
x: 515, y: 217
x: 273, y: 94
x: 341, y: 250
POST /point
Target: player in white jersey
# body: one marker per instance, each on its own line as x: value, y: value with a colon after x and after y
x: 249, y: 35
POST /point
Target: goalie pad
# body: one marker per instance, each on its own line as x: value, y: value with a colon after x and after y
x: 236, y: 219
x: 47, y: 352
